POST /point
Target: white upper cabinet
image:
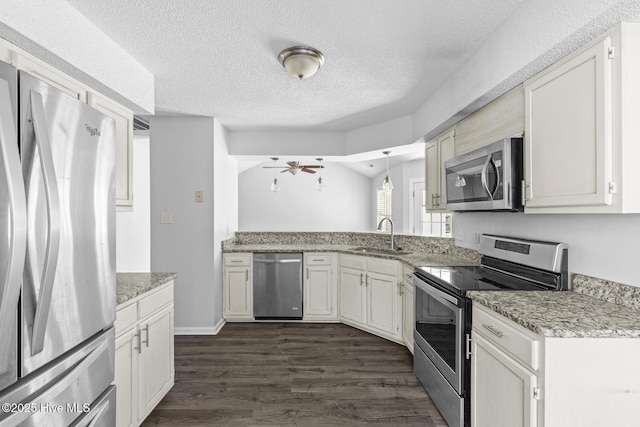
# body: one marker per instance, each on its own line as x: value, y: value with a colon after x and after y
x: 437, y: 151
x: 123, y: 118
x: 581, y: 129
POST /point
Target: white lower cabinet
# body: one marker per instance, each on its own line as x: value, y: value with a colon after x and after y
x: 144, y: 356
x: 502, y: 390
x: 519, y: 378
x: 408, y: 307
x: 237, y: 286
x: 320, y: 287
x: 370, y: 295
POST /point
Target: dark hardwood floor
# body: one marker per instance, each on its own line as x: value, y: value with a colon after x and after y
x: 293, y: 374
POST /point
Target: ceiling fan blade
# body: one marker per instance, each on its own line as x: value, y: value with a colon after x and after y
x: 307, y: 170
x: 312, y: 166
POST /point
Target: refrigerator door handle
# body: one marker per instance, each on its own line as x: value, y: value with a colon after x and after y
x: 17, y: 234
x: 99, y: 411
x: 53, y: 223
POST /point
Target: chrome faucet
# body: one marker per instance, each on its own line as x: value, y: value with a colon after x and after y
x: 393, y: 248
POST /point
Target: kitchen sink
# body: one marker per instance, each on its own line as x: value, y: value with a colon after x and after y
x: 383, y: 251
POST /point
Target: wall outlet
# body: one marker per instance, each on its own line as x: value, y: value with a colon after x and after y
x: 199, y: 198
x: 166, y: 218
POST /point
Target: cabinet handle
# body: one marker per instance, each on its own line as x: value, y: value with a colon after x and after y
x: 236, y: 260
x: 317, y: 260
x: 139, y: 347
x: 493, y: 330
x: 437, y: 200
x: 524, y: 192
x: 433, y: 200
x: 366, y: 279
x: 400, y: 289
x: 361, y: 278
x: 146, y: 329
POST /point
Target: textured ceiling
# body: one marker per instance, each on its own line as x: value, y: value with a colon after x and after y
x: 383, y: 58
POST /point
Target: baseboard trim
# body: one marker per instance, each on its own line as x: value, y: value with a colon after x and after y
x: 199, y: 330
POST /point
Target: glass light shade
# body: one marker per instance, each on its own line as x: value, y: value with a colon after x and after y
x: 274, y: 185
x: 387, y: 185
x: 319, y: 184
x: 301, y: 65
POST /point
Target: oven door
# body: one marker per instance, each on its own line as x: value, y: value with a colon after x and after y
x: 439, y: 331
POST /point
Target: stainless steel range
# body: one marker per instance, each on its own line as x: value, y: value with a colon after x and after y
x: 443, y: 312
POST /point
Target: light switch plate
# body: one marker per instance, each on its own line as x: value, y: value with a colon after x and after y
x: 166, y: 218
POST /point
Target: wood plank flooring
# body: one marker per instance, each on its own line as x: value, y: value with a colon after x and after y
x: 293, y: 374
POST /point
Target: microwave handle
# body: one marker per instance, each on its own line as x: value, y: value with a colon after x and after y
x: 483, y: 177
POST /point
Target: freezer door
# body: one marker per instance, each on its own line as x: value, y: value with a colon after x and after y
x: 66, y: 391
x: 13, y: 226
x: 68, y: 163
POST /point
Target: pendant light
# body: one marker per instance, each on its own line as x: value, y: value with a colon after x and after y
x: 387, y: 185
x: 274, y: 185
x: 320, y: 182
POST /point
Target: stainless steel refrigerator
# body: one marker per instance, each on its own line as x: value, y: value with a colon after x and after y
x: 57, y: 257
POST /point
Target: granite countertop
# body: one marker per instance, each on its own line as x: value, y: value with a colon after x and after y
x: 131, y: 285
x: 411, y: 258
x: 563, y: 314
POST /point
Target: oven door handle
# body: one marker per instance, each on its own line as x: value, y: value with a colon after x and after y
x: 436, y: 293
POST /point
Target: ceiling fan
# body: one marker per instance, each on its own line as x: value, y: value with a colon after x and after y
x: 294, y: 167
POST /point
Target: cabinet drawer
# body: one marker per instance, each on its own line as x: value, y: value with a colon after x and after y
x: 126, y: 317
x: 507, y: 335
x: 317, y: 259
x: 155, y: 301
x: 236, y: 260
x: 351, y: 261
x: 382, y: 266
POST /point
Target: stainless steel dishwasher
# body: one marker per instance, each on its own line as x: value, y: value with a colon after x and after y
x: 277, y: 286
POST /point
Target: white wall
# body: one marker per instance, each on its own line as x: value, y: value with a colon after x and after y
x: 343, y: 205
x: 225, y: 209
x: 182, y: 161
x: 133, y: 228
x: 401, y: 199
x: 604, y: 246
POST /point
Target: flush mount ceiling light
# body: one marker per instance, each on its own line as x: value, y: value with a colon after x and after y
x: 301, y: 61
x: 387, y: 185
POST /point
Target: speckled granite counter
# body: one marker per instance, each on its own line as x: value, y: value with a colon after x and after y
x: 130, y: 285
x: 585, y: 312
x: 418, y: 250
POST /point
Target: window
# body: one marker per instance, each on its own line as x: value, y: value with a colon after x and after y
x: 384, y: 209
x: 425, y: 223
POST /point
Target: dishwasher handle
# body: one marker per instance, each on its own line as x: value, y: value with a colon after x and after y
x: 277, y: 261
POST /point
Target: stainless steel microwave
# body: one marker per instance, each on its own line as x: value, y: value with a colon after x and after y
x: 487, y: 179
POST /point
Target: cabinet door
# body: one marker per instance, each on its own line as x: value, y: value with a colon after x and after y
x: 319, y: 292
x: 382, y: 304
x: 502, y: 390
x: 408, y: 316
x: 352, y: 295
x: 437, y: 152
x: 123, y: 118
x: 156, y: 366
x: 446, y: 147
x: 238, y: 299
x: 568, y: 132
x: 126, y: 379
